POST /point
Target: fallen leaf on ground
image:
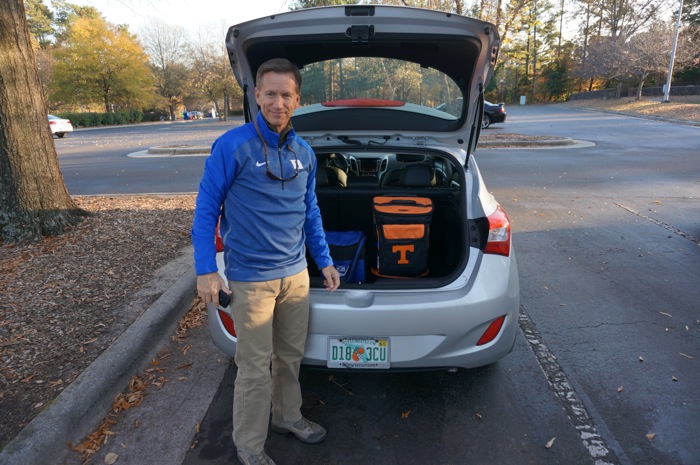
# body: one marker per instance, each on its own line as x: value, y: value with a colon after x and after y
x: 405, y: 414
x: 620, y: 389
x: 111, y: 458
x: 651, y: 436
x: 549, y: 444
x: 686, y: 355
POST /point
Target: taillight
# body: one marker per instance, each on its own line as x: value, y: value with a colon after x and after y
x: 492, y: 331
x: 217, y: 240
x: 52, y: 122
x: 227, y: 321
x: 498, y: 241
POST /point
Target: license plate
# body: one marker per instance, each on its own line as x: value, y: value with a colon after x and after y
x: 358, y: 352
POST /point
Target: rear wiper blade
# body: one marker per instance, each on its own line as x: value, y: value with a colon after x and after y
x: 347, y: 140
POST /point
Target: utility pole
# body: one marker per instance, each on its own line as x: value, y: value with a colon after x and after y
x: 673, y: 54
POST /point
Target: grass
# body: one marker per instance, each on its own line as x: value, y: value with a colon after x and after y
x: 685, y: 107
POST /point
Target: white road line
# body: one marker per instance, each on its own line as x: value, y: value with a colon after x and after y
x: 574, y: 407
x: 673, y: 229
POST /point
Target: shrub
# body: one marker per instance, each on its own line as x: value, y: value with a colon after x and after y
x: 103, y: 119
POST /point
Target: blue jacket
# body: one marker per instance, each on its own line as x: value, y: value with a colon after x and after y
x: 265, y: 223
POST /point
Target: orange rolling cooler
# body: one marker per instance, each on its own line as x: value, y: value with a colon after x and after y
x: 403, y: 228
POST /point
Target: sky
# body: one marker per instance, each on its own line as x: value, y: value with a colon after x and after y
x: 217, y: 15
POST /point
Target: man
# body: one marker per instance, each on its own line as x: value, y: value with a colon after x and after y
x: 260, y: 177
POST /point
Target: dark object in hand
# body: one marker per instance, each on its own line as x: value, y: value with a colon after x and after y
x: 224, y: 298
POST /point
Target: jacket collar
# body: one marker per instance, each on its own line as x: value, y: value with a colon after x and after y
x: 271, y: 136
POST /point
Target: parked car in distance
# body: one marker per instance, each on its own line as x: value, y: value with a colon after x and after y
x: 493, y: 113
x: 438, y: 284
x: 59, y: 126
x: 196, y: 115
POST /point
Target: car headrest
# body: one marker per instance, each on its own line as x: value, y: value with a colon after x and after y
x: 409, y: 158
x: 321, y: 176
x: 336, y: 176
x: 416, y: 175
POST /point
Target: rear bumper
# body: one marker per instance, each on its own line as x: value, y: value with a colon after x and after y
x: 498, y: 118
x: 427, y: 328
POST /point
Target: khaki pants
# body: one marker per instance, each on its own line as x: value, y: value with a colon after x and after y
x: 271, y: 317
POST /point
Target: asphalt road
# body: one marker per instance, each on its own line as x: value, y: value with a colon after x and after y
x: 608, y: 245
x: 606, y: 363
x: 96, y: 161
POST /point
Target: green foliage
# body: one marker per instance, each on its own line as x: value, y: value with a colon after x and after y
x: 691, y: 12
x: 557, y: 81
x: 40, y: 21
x: 103, y: 119
x: 99, y: 63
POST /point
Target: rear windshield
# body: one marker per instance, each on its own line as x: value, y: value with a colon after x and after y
x: 368, y: 78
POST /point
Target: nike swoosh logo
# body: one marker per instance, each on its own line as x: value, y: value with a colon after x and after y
x: 257, y: 163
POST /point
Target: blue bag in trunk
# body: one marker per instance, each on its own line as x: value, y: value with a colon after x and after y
x: 348, y: 253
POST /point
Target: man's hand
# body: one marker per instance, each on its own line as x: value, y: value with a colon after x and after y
x: 331, y: 278
x: 208, y: 286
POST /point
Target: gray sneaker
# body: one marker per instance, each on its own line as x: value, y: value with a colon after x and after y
x: 303, y: 429
x: 251, y: 458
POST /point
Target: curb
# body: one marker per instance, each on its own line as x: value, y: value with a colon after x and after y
x: 563, y: 142
x: 665, y: 119
x: 80, y: 408
x: 554, y: 141
x: 179, y: 150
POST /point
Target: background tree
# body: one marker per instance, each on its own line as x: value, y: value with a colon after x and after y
x: 690, y: 73
x: 165, y: 46
x: 66, y: 13
x: 101, y: 63
x: 607, y: 59
x: 691, y: 12
x: 300, y: 4
x: 558, y: 79
x: 648, y: 53
x: 213, y: 76
x: 40, y: 22
x: 33, y: 198
x: 623, y: 18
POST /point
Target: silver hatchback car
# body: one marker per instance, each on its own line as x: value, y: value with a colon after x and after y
x: 430, y: 278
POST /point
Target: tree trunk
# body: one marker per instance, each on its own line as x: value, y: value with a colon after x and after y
x: 34, y: 201
x: 640, y: 87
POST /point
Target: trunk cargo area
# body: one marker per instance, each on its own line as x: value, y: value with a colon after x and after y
x: 352, y: 209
